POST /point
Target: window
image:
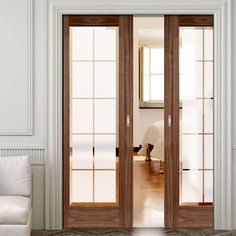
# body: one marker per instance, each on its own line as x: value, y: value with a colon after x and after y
x: 152, y: 76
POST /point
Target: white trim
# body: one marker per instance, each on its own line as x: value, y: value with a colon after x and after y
x: 36, y: 154
x: 223, y: 152
x: 29, y: 131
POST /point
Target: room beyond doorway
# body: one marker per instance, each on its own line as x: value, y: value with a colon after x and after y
x: 148, y: 90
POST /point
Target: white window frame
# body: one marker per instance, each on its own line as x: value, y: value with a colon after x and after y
x: 221, y: 9
x: 150, y: 103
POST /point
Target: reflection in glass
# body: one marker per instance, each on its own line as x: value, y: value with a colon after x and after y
x: 93, y: 135
x: 196, y: 95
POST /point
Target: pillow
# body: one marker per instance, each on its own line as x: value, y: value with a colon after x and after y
x: 15, y: 176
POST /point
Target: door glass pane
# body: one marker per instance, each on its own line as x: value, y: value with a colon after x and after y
x: 208, y: 44
x: 208, y: 82
x: 191, y: 186
x: 192, y: 115
x: 208, y: 116
x: 208, y: 151
x: 81, y: 186
x: 192, y: 151
x: 82, y: 73
x: 105, y: 180
x: 82, y: 115
x: 105, y: 152
x: 190, y: 78
x: 105, y: 115
x: 208, y: 186
x: 82, y: 148
x: 105, y: 79
x: 93, y: 114
x: 82, y: 43
x: 105, y: 43
x: 196, y: 124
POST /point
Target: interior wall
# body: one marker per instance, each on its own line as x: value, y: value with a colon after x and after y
x: 15, y: 114
x: 22, y: 90
x: 142, y: 118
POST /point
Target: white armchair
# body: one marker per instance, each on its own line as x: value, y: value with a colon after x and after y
x: 15, y: 196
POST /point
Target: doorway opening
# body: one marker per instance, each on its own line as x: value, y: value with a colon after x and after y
x: 173, y: 54
x: 148, y: 122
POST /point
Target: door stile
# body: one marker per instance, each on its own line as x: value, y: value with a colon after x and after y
x: 128, y: 58
x: 171, y: 114
x: 66, y: 118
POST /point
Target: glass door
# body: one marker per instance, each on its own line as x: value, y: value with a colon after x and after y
x: 190, y: 125
x: 95, y: 120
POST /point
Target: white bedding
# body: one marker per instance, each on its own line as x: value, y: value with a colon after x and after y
x: 154, y: 135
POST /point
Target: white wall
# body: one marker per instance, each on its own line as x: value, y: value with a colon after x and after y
x: 142, y: 118
x: 14, y: 83
x: 22, y: 84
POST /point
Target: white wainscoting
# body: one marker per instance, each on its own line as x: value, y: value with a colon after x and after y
x: 37, y: 156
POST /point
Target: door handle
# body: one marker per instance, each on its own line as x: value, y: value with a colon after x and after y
x: 169, y: 120
x: 128, y: 121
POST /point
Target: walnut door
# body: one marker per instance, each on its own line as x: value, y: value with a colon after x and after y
x: 97, y: 121
x: 189, y: 124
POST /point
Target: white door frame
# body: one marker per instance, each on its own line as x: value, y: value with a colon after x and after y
x: 221, y: 9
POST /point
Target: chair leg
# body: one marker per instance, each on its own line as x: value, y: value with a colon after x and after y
x: 148, y: 152
x: 161, y: 167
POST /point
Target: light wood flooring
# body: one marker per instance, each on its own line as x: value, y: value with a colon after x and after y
x: 148, y: 193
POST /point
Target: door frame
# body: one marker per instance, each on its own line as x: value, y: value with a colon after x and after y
x: 221, y: 9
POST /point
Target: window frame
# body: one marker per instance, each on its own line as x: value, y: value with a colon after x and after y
x: 151, y: 104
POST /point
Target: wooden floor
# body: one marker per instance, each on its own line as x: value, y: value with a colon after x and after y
x: 148, y: 193
x: 134, y: 232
